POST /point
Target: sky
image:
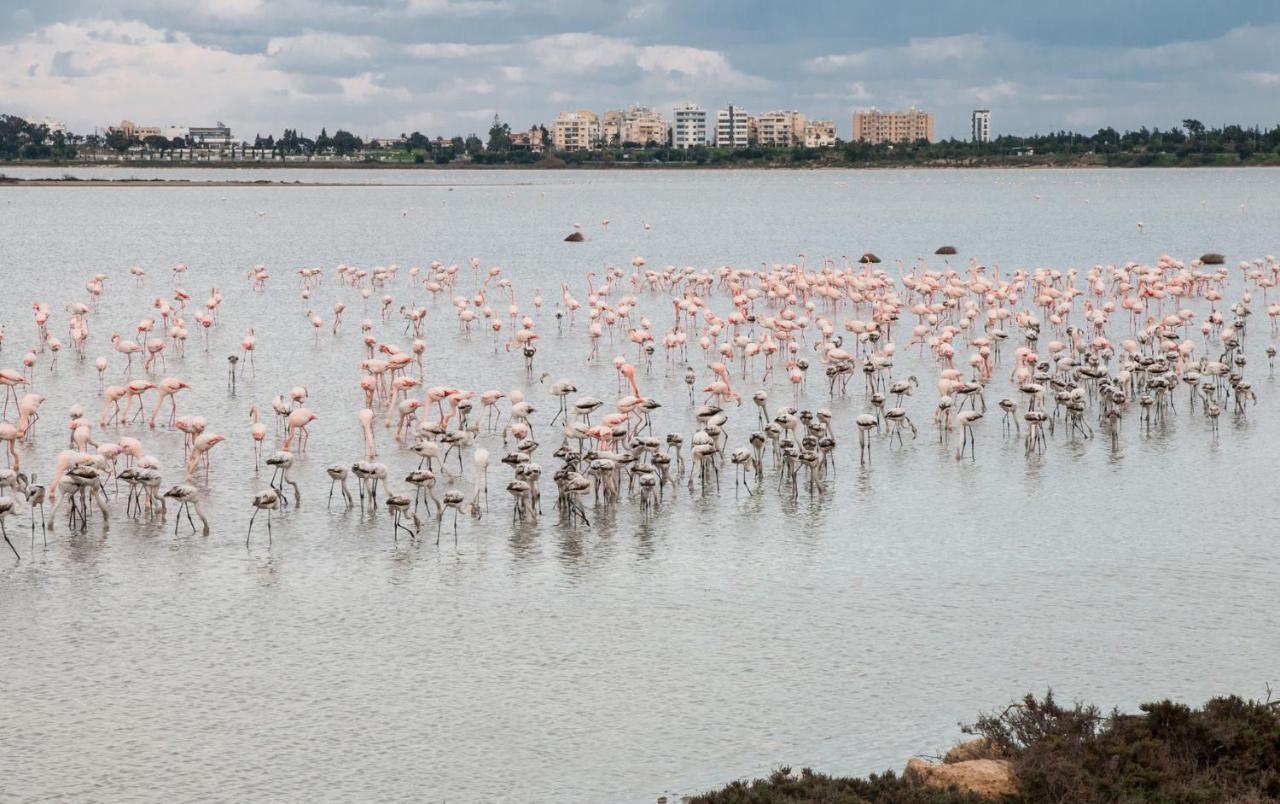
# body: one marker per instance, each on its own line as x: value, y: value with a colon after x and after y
x: 445, y: 67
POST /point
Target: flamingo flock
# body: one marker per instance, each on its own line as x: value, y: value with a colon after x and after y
x: 783, y: 364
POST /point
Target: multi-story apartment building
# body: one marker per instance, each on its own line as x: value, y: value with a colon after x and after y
x: 780, y: 129
x: 982, y: 125
x: 820, y: 134
x: 875, y: 126
x: 638, y: 125
x: 733, y: 128
x: 575, y: 131
x: 690, y: 127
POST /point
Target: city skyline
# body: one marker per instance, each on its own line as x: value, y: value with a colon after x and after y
x: 446, y: 66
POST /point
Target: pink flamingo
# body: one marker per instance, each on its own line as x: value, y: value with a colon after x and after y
x: 366, y: 427
x: 257, y: 431
x: 200, y: 450
x: 167, y: 388
x: 29, y: 413
x: 297, y: 425
x: 134, y: 390
x: 126, y: 348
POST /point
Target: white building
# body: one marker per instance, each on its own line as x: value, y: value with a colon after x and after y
x: 690, y: 128
x: 820, y: 134
x: 733, y: 128
x: 982, y: 125
x: 218, y: 136
x: 780, y: 129
x: 575, y: 131
x: 54, y: 126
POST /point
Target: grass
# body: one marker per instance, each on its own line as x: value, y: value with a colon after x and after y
x: 1227, y: 751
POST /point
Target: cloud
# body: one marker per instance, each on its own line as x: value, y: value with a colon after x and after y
x: 708, y: 67
x: 917, y: 51
x: 106, y: 71
x: 463, y: 8
x: 590, y: 53
x: 373, y: 66
x: 62, y: 65
x: 1000, y: 90
x: 453, y: 50
x: 1262, y: 79
x: 318, y: 49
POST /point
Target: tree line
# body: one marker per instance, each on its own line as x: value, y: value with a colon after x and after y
x: 1191, y: 143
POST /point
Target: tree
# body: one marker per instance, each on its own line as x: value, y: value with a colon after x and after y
x: 499, y: 136
x: 323, y: 143
x: 345, y: 143
x: 1194, y: 127
x: 19, y: 137
x: 418, y: 141
x: 157, y: 143
x: 117, y: 140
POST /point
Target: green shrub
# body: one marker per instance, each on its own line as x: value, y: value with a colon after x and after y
x: 1226, y: 751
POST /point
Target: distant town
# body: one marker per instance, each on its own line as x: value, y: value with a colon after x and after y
x: 642, y: 135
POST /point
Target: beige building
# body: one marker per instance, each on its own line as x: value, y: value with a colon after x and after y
x: 530, y: 140
x: 780, y: 129
x: 576, y: 131
x: 820, y: 134
x: 638, y: 125
x: 134, y: 131
x: 875, y: 126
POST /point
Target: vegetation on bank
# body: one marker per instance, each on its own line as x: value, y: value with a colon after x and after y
x: 1192, y: 144
x: 1227, y: 750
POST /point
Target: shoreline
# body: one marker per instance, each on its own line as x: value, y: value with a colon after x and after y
x: 70, y: 180
x: 11, y: 181
x: 1015, y: 163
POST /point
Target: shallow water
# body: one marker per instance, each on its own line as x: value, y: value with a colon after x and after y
x: 729, y: 634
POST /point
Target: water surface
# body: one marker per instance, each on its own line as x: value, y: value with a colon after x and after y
x: 727, y: 635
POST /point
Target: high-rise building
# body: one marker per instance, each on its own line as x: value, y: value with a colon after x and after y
x: 733, y: 128
x: 690, y: 127
x: 982, y: 125
x: 780, y: 129
x: 575, y: 131
x: 875, y: 126
x: 638, y: 125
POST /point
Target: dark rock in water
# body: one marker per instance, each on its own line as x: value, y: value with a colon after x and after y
x: 868, y: 257
x: 1212, y: 258
x: 945, y: 250
x: 576, y: 237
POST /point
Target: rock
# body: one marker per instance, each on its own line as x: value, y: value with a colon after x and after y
x: 945, y: 250
x: 576, y: 237
x: 868, y: 258
x: 986, y: 777
x: 1212, y: 258
x: 979, y: 748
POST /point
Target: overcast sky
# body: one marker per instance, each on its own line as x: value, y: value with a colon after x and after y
x: 382, y: 67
